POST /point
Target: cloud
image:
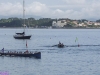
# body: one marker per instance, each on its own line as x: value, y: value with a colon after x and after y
x: 10, y: 9
x: 37, y: 8
x: 74, y: 9
x: 75, y: 1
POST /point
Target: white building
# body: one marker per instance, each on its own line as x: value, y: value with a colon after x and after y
x: 97, y: 24
x: 59, y: 24
x: 82, y: 25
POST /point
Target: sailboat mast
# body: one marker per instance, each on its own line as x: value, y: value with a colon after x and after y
x: 24, y: 14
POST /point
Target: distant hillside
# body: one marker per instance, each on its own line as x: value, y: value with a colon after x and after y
x: 20, y: 16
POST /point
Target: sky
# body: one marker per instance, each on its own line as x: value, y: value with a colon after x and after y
x: 72, y: 9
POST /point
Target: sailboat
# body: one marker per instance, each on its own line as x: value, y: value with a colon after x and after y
x: 22, y: 35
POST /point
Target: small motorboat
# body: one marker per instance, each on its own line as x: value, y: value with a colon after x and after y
x: 60, y: 45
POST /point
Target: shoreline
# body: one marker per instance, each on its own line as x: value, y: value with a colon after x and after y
x: 43, y: 28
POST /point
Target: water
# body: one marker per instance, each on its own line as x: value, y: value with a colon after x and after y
x: 71, y: 60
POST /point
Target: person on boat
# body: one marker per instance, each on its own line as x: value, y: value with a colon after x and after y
x: 3, y: 50
x: 26, y: 51
x: 30, y: 52
x: 59, y: 43
x: 23, y: 33
x: 78, y: 45
x: 62, y: 44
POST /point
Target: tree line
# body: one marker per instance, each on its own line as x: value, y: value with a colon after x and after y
x: 31, y: 22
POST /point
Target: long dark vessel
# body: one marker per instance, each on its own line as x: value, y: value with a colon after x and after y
x: 22, y: 35
x: 36, y: 54
x: 21, y: 53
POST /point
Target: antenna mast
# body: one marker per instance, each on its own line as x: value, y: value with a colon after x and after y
x: 24, y: 14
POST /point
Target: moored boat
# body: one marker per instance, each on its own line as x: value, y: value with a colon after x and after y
x: 23, y: 34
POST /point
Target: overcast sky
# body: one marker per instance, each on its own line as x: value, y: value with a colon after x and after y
x: 73, y: 9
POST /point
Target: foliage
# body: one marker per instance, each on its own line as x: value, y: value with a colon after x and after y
x: 18, y: 22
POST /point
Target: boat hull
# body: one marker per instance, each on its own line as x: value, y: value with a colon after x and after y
x: 36, y: 55
x: 22, y: 37
x: 60, y: 46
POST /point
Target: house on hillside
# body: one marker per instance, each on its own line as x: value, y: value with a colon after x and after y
x: 59, y: 24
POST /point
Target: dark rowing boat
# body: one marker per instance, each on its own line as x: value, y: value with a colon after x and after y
x: 36, y: 54
x: 60, y: 45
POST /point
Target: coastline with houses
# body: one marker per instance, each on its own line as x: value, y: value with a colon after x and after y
x: 75, y: 24
x: 49, y: 23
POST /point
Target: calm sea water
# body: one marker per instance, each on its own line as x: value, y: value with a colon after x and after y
x: 71, y: 60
